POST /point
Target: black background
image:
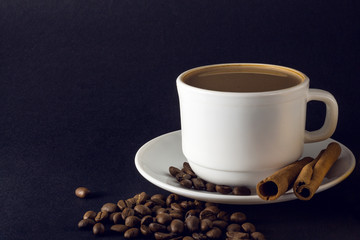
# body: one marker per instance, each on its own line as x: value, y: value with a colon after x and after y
x: 84, y: 84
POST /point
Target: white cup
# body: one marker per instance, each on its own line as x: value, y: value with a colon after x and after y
x: 242, y: 132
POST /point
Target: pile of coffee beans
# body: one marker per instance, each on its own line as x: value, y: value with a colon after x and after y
x: 187, y: 178
x: 169, y: 217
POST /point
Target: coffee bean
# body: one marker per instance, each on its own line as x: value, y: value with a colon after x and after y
x: 158, y: 201
x: 177, y: 226
x: 86, y: 223
x: 206, y: 225
x: 173, y: 171
x: 176, y: 214
x: 214, y: 233
x: 130, y: 203
x: 142, y: 210
x: 163, y: 218
x: 116, y: 217
x: 237, y: 235
x: 208, y: 204
x: 257, y: 236
x: 220, y: 224
x: 213, y: 208
x: 188, y: 238
x: 82, y: 192
x: 127, y: 212
x: 223, y: 189
x: 131, y: 233
x: 145, y: 230
x: 160, y: 210
x: 121, y: 205
x: 199, y: 236
x: 142, y: 198
x: 192, y: 223
x: 157, y: 227
x: 186, y: 204
x: 171, y: 199
x: 234, y: 227
x: 121, y: 228
x: 176, y: 207
x: 98, y: 229
x: 158, y: 196
x: 248, y: 227
x: 89, y: 215
x: 163, y: 236
x: 207, y: 214
x: 109, y: 207
x: 101, y: 216
x: 192, y: 212
x: 187, y: 169
x: 242, y: 190
x: 210, y: 187
x: 198, y: 183
x: 223, y: 215
x: 182, y: 176
x: 238, y: 217
x: 186, y: 183
x: 146, y: 220
x: 149, y: 204
x: 132, y: 221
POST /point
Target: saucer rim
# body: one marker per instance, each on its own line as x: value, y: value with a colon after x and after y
x: 232, y: 199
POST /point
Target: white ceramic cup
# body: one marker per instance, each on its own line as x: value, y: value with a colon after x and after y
x: 237, y: 138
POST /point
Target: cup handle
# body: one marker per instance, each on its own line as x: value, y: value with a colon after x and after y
x: 331, y: 118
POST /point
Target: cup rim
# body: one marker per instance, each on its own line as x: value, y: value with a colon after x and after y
x: 304, y: 83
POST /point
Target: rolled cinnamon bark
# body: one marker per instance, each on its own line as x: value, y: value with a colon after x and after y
x: 277, y: 184
x: 313, y: 173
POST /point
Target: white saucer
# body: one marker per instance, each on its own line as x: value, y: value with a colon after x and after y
x: 155, y: 157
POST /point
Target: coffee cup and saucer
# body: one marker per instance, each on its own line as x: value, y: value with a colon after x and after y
x: 240, y: 123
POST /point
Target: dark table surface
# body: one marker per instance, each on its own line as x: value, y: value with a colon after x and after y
x: 84, y: 84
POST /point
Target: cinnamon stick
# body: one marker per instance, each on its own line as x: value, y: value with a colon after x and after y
x: 313, y: 173
x: 281, y: 181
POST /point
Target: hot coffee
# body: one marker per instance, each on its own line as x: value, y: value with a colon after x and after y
x: 247, y: 78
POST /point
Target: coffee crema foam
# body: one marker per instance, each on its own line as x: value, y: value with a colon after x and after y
x: 243, y: 79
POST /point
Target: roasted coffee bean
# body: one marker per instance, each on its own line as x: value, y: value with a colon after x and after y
x: 176, y: 207
x: 158, y: 201
x: 176, y: 214
x: 238, y: 217
x: 192, y: 212
x: 207, y: 214
x: 163, y: 236
x: 198, y: 183
x: 109, y: 207
x: 127, y: 212
x: 142, y: 210
x: 116, y: 218
x: 199, y: 236
x: 257, y: 236
x: 149, y: 204
x: 242, y: 190
x: 173, y: 171
x: 121, y: 228
x: 182, y: 176
x: 177, y: 226
x: 192, y: 224
x: 145, y: 230
x: 248, y: 227
x: 187, y: 169
x: 186, y: 183
x: 188, y: 238
x: 101, y: 216
x: 234, y: 227
x: 223, y: 215
x: 172, y: 198
x: 158, y: 196
x: 142, y: 198
x: 237, y: 235
x: 121, y: 205
x: 131, y: 233
x: 206, y: 225
x: 132, y: 221
x: 213, y: 208
x: 210, y: 187
x: 160, y: 210
x: 163, y: 218
x: 157, y: 227
x: 98, y: 229
x: 89, y: 215
x: 86, y: 223
x: 130, y: 203
x: 208, y: 204
x: 146, y: 220
x: 223, y: 189
x: 82, y: 192
x: 220, y: 224
x: 186, y: 204
x: 214, y: 233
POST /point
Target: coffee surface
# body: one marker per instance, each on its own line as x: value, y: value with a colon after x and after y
x: 234, y: 79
